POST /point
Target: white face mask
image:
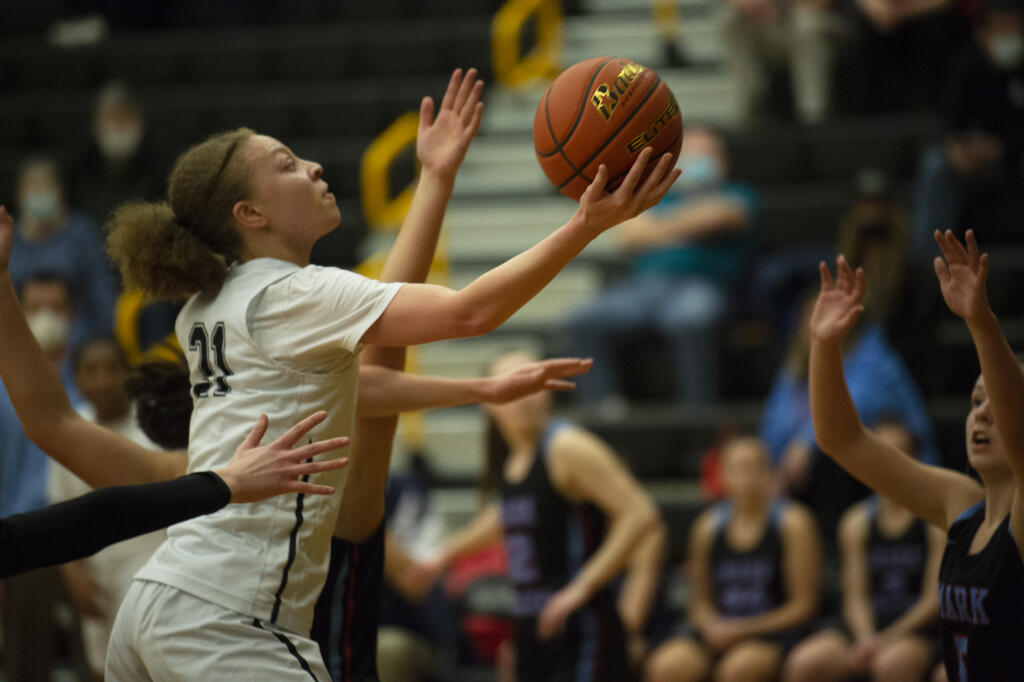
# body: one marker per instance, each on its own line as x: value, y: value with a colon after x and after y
x: 49, y: 327
x: 700, y: 171
x: 119, y: 144
x: 39, y: 204
x: 1006, y: 51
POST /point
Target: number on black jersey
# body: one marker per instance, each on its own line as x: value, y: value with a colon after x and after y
x: 199, y: 340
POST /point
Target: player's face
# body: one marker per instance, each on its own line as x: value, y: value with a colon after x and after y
x: 745, y: 472
x: 984, y: 446
x: 289, y: 192
x: 528, y: 413
x: 100, y: 375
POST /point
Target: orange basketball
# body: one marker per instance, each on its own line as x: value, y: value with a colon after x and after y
x: 603, y: 110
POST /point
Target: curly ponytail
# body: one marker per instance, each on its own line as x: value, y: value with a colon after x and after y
x: 172, y: 249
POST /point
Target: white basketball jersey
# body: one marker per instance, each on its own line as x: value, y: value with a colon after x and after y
x: 281, y: 340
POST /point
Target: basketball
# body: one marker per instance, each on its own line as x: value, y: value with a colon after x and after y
x: 603, y: 110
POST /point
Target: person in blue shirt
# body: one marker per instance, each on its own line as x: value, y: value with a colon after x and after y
x: 688, y: 254
x: 50, y: 238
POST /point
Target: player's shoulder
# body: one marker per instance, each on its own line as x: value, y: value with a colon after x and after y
x: 794, y: 517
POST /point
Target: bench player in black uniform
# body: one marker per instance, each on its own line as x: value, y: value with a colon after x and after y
x: 890, y: 566
x: 571, y: 516
x: 754, y: 564
x: 981, y: 578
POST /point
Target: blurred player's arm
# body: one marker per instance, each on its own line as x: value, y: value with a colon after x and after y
x: 931, y: 493
x: 697, y: 220
x: 925, y: 610
x: 857, y: 612
x: 702, y: 609
x: 384, y: 391
x: 584, y: 469
x: 95, y: 454
x: 801, y: 567
x: 640, y: 587
x: 479, y: 534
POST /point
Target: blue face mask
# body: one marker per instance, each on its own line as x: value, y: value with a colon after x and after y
x: 699, y: 172
x: 41, y: 204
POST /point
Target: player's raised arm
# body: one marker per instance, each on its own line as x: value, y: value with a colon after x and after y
x: 423, y: 313
x: 95, y: 454
x: 933, y: 494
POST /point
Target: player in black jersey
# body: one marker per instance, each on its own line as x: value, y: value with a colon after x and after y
x: 890, y: 565
x: 571, y: 516
x: 981, y: 578
x: 754, y: 564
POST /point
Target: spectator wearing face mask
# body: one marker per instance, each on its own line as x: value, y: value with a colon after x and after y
x: 50, y: 238
x: 974, y: 176
x: 118, y: 164
x: 29, y: 599
x: 688, y: 254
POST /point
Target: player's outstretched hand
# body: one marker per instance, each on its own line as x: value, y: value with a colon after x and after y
x: 600, y: 210
x: 839, y: 303
x: 257, y: 472
x: 963, y: 274
x: 546, y: 375
x: 441, y: 142
x: 6, y: 238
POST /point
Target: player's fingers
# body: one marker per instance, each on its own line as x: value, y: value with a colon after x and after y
x: 452, y: 90
x: 941, y: 270
x: 629, y: 184
x: 309, y: 488
x: 473, y: 125
x: 559, y: 385
x: 564, y: 367
x: 319, y: 447
x: 844, y: 275
x: 847, y: 320
x: 952, y: 249
x: 318, y: 467
x: 972, y: 248
x: 292, y: 435
x: 259, y: 430
x: 465, y: 88
x: 860, y: 284
x: 826, y: 276
x: 983, y: 268
x: 662, y: 189
x: 657, y: 175
x: 469, y: 106
x: 426, y: 114
x: 596, y: 189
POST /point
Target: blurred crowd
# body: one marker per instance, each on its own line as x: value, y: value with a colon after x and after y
x: 792, y: 571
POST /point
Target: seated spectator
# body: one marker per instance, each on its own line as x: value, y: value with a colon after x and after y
x: 890, y: 567
x: 98, y: 584
x: 50, y: 238
x: 760, y: 34
x: 974, y: 177
x: 755, y: 565
x: 902, y: 52
x: 29, y: 624
x: 880, y: 385
x: 118, y: 164
x: 689, y: 252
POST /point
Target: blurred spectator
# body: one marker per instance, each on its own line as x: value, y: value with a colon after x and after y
x: 417, y: 636
x: 29, y: 626
x: 873, y: 234
x: 880, y: 384
x: 762, y: 34
x: 688, y: 252
x: 974, y: 177
x: 119, y: 163
x: 890, y: 566
x: 902, y: 52
x: 50, y: 238
x: 755, y: 566
x: 97, y: 585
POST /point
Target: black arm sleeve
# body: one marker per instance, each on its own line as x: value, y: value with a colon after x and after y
x: 83, y: 526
